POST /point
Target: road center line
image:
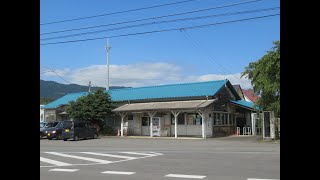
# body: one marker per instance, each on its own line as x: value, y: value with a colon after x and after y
x: 118, y: 172
x: 109, y: 155
x: 185, y: 176
x: 136, y: 153
x: 64, y: 170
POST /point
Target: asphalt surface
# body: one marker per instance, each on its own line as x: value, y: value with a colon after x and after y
x: 228, y: 158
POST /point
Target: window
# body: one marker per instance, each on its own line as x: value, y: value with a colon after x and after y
x: 180, y: 119
x: 191, y: 119
x: 223, y: 120
x: 216, y: 118
x: 145, y: 121
x: 130, y: 117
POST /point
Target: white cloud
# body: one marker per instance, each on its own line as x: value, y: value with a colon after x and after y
x: 140, y: 74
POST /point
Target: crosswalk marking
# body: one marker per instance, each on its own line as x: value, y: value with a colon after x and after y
x: 185, y: 176
x: 54, y: 162
x: 93, y: 158
x: 109, y: 155
x: 136, y: 153
x: 118, y: 172
x: 64, y: 170
x: 80, y: 157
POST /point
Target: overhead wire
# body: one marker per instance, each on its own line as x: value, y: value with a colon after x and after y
x: 159, y: 31
x: 153, y: 18
x: 161, y: 22
x: 113, y: 13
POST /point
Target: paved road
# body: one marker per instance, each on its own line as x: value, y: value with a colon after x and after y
x: 231, y: 158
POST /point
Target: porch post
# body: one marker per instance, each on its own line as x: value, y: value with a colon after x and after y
x: 151, y: 114
x: 253, y: 124
x: 175, y: 114
x: 122, y: 117
x: 204, y: 135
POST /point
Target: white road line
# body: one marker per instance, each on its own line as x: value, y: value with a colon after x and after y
x: 80, y: 157
x: 185, y: 176
x: 260, y: 179
x: 156, y: 153
x: 109, y: 155
x: 118, y: 172
x: 57, y: 163
x: 64, y: 170
x: 143, y: 154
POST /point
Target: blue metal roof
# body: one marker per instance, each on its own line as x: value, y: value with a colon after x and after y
x: 64, y: 100
x: 167, y: 91
x: 197, y: 89
x: 246, y: 104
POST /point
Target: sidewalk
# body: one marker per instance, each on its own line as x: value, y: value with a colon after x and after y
x: 148, y: 137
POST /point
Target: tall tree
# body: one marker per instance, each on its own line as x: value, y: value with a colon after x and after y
x: 265, y: 79
x: 94, y: 107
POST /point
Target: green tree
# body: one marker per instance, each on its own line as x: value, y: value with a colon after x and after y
x: 94, y: 107
x: 265, y: 79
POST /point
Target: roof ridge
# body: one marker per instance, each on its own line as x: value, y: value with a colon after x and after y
x: 201, y: 82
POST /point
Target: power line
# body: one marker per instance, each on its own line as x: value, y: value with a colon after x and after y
x: 158, y: 31
x: 51, y: 70
x: 196, y: 44
x: 153, y: 18
x: 160, y: 22
x: 118, y: 12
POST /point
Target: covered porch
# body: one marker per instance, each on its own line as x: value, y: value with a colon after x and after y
x: 170, y: 118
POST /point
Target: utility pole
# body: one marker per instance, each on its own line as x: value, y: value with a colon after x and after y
x: 89, y: 86
x: 108, y: 63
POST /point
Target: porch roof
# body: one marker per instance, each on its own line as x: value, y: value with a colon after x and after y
x: 246, y: 104
x: 162, y: 106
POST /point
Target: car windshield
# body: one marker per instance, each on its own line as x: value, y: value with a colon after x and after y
x: 67, y: 124
x: 51, y: 124
x: 42, y: 124
x: 59, y: 124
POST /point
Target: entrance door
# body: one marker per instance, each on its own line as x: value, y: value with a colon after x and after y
x: 156, y: 126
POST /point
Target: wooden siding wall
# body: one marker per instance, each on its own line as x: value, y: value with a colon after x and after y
x: 223, y: 98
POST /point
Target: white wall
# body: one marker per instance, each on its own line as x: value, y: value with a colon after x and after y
x: 41, y: 113
x: 145, y: 130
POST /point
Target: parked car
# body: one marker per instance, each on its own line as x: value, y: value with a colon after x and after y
x: 78, y: 129
x: 42, y: 124
x: 43, y: 130
x: 55, y: 132
x: 42, y: 133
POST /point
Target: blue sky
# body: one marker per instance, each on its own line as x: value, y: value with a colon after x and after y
x: 211, y: 53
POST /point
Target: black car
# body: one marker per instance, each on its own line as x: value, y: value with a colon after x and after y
x: 78, y: 129
x: 56, y: 131
x: 46, y: 127
x: 42, y: 125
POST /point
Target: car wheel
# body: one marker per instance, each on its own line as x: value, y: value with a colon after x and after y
x: 65, y: 139
x: 76, y: 138
x: 95, y: 136
x: 58, y: 136
x: 40, y: 136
